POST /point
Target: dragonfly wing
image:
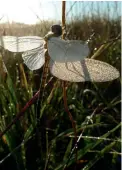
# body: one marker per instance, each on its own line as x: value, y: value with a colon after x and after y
x: 21, y: 44
x: 34, y: 59
x: 85, y: 70
x: 67, y: 51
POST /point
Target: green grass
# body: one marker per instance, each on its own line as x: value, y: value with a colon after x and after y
x: 18, y: 147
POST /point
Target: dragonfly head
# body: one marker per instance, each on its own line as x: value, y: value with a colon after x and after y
x: 57, y: 30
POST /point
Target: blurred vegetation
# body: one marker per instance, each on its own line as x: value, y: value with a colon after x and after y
x: 100, y: 144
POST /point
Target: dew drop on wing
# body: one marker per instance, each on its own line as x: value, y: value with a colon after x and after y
x: 85, y: 70
x: 34, y: 59
x: 67, y: 51
x: 21, y: 44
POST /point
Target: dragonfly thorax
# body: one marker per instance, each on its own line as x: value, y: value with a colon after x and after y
x: 49, y: 35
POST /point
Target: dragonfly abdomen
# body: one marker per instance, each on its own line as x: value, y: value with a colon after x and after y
x: 44, y: 75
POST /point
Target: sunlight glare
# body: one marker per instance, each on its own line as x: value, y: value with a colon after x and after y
x: 27, y: 11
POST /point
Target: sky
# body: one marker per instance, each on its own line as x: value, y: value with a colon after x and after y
x: 32, y: 11
x: 27, y: 10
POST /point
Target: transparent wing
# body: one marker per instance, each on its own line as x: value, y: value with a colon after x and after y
x: 21, y: 44
x: 34, y: 59
x: 86, y: 70
x: 67, y: 51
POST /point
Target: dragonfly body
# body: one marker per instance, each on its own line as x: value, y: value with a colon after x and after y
x: 67, y: 58
x: 56, y: 31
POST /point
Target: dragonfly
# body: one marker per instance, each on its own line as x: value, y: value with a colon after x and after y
x: 66, y: 59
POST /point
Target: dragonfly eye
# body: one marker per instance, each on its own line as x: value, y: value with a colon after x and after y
x: 56, y: 29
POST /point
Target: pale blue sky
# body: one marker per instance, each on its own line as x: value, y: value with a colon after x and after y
x: 25, y: 11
